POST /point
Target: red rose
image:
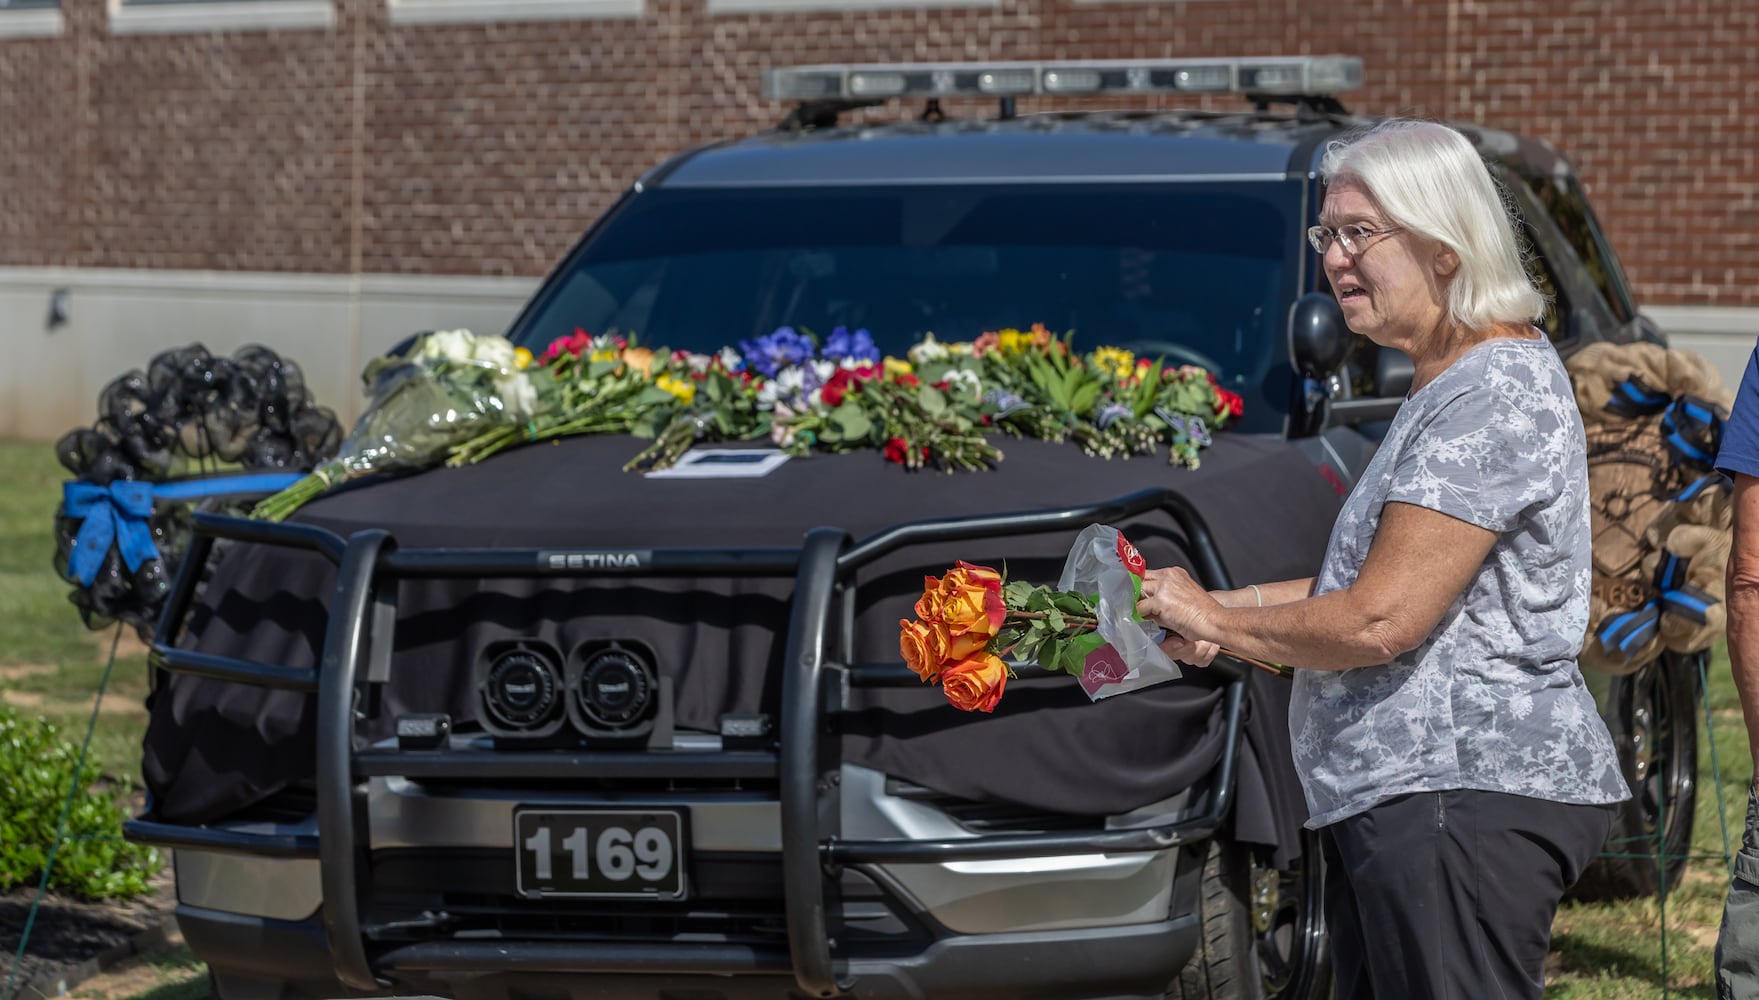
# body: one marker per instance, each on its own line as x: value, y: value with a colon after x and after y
x: 897, y: 451
x: 908, y: 380
x: 1133, y: 560
x: 1229, y: 402
x: 832, y: 394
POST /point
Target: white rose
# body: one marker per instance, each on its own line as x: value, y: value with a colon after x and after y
x: 495, y: 351
x: 446, y: 345
x: 517, y: 394
x: 929, y: 350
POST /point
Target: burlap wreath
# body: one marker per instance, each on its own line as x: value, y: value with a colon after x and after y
x: 1661, y: 513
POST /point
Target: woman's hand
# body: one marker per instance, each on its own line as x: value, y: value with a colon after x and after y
x: 1175, y: 602
x: 1197, y: 654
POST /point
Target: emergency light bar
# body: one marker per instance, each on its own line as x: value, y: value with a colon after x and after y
x: 873, y: 81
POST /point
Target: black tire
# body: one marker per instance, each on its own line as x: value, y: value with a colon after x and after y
x: 1263, y: 932
x: 1653, y: 716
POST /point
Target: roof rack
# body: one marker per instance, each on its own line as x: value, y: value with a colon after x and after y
x: 824, y: 91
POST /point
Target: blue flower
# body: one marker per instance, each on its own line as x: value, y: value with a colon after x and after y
x: 1109, y: 414
x: 1004, y: 402
x: 783, y: 349
x: 846, y: 346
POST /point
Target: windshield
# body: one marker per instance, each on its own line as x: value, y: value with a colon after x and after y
x: 1199, y: 273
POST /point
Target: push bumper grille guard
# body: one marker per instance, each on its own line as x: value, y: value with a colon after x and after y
x: 357, y: 651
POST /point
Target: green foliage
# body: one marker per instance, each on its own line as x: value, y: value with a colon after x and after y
x: 37, y: 767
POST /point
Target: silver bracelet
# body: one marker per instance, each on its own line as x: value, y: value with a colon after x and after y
x: 1257, y: 593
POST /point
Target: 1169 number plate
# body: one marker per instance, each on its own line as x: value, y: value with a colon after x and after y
x: 591, y: 852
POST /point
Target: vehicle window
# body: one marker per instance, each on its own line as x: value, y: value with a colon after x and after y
x: 1556, y: 303
x: 1198, y: 274
x: 1567, y: 204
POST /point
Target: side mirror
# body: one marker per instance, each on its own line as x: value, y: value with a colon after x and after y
x: 1393, y: 372
x: 1319, y: 341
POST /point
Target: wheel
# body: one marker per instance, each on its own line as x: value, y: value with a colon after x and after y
x: 1263, y: 934
x: 1653, y: 716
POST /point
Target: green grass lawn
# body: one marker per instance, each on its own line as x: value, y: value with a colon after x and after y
x: 50, y: 664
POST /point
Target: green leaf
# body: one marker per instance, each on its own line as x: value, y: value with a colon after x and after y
x: 850, y: 421
x: 1015, y: 594
x: 932, y: 400
x: 1055, y: 618
x: 1071, y: 603
x: 1038, y: 600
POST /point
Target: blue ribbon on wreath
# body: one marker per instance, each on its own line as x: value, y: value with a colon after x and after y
x: 120, y: 514
x: 1629, y: 632
x: 1690, y: 427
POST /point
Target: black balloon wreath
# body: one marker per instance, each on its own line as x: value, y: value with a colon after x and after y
x: 190, y: 414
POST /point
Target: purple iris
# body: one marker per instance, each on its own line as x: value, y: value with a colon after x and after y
x: 845, y: 346
x: 783, y: 349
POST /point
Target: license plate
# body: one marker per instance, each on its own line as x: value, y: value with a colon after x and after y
x: 592, y: 852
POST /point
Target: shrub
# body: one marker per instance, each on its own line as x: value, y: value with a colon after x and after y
x: 36, y: 770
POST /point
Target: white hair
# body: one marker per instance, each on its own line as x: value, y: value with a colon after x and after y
x: 1429, y: 180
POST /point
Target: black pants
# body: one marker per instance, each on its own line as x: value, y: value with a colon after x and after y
x: 1451, y: 895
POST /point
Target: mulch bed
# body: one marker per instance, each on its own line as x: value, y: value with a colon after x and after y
x: 72, y: 939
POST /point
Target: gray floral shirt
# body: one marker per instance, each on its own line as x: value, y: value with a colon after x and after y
x: 1492, y: 699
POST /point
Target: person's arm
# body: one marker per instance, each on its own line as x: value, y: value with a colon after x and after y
x: 1419, y: 564
x: 1738, y: 458
x: 1743, y: 606
x: 1280, y: 592
x: 1200, y: 654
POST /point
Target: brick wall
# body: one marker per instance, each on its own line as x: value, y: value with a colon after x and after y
x: 484, y: 149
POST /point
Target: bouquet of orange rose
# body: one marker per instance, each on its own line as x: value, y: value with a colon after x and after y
x: 970, y: 619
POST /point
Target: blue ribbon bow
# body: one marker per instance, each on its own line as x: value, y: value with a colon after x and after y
x: 115, y: 514
x: 1691, y: 427
x: 119, y: 514
x: 1627, y: 633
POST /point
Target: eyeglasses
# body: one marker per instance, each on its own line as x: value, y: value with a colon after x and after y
x: 1354, y: 237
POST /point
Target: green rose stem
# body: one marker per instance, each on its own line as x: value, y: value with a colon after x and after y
x: 278, y: 506
x: 668, y: 447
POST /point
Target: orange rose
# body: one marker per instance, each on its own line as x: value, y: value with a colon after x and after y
x: 971, y: 600
x: 975, y: 684
x: 917, y: 642
x: 639, y: 358
x: 928, y: 606
x: 949, y: 648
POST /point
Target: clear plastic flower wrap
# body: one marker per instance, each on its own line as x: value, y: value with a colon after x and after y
x: 1103, y: 563
x: 451, y: 387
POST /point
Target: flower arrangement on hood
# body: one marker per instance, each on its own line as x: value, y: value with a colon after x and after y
x: 458, y: 398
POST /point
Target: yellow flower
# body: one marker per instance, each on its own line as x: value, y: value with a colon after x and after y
x: 521, y: 358
x: 685, y: 391
x: 1115, y: 360
x: 603, y: 354
x: 1012, y: 341
x: 895, y: 366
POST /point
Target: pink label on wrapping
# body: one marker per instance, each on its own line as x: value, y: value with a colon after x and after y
x: 1104, y: 666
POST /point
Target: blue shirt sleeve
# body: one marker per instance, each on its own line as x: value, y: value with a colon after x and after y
x: 1739, y: 452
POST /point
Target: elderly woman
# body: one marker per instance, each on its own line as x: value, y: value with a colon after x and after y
x: 1452, y: 758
